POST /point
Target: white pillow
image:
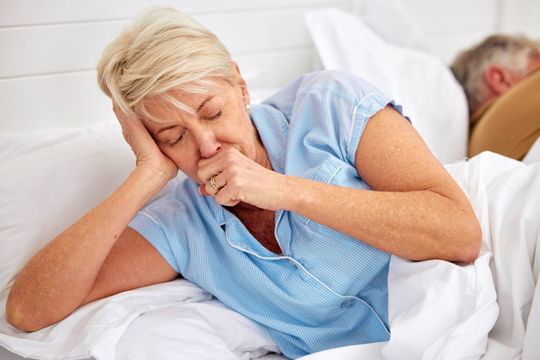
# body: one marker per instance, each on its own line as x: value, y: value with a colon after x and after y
x: 41, y: 193
x: 96, y: 328
x: 390, y: 20
x: 45, y: 191
x: 420, y: 82
x: 13, y: 144
x: 194, y: 330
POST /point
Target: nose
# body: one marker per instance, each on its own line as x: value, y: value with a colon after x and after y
x: 207, y: 142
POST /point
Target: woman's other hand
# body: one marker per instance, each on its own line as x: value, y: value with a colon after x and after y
x: 148, y: 154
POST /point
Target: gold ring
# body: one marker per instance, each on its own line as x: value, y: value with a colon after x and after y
x: 213, y: 183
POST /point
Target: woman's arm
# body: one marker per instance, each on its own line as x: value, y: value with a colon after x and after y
x: 84, y: 262
x: 417, y: 210
x: 59, y: 277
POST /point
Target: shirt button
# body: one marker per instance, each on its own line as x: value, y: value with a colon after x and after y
x: 347, y: 303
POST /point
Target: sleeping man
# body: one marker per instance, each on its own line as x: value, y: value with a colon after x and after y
x: 502, y: 83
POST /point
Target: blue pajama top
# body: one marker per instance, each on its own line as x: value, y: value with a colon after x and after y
x: 327, y: 289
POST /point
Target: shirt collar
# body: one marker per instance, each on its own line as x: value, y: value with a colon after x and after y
x: 273, y: 128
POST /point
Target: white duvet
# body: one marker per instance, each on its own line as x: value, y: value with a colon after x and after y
x: 506, y: 197
x: 437, y: 309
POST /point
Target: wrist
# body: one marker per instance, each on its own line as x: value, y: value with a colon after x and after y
x: 151, y: 179
x: 156, y: 173
x: 295, y: 193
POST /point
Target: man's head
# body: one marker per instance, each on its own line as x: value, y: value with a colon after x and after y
x: 493, y: 66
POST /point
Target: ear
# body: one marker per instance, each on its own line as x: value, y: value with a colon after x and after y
x: 242, y: 84
x: 499, y: 79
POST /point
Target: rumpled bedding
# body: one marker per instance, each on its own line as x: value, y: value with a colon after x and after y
x: 505, y: 195
x: 437, y: 309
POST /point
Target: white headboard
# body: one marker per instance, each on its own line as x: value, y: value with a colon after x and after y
x: 50, y: 48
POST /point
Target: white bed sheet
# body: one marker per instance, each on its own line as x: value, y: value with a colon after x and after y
x: 506, y: 197
x: 533, y: 155
x: 8, y: 355
x: 184, y: 322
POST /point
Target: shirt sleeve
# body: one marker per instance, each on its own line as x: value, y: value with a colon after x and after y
x: 362, y: 112
x: 155, y: 224
x: 338, y: 106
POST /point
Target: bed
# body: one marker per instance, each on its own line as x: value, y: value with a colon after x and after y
x: 59, y: 141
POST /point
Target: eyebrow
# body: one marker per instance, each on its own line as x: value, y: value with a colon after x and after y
x: 204, y: 102
x: 166, y: 128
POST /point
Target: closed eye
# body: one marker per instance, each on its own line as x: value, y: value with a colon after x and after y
x: 218, y: 114
x: 180, y: 137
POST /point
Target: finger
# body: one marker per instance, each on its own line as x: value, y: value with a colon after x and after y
x: 202, y: 190
x: 130, y: 124
x: 225, y: 152
x: 226, y: 197
x: 215, y: 184
x: 118, y: 112
x: 210, y: 167
x: 225, y: 158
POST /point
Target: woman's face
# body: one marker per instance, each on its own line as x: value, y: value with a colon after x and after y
x: 221, y: 121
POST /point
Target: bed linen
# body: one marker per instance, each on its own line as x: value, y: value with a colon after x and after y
x: 533, y: 155
x: 435, y: 307
x: 512, y: 219
x: 505, y: 195
x: 432, y: 301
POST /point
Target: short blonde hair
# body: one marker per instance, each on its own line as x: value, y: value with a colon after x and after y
x: 162, y: 51
x: 511, y: 52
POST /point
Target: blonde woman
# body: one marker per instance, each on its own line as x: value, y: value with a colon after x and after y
x: 290, y: 209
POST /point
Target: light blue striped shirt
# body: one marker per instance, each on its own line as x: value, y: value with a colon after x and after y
x: 327, y: 289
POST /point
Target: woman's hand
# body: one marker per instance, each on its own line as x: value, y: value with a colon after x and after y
x: 148, y: 154
x: 240, y: 179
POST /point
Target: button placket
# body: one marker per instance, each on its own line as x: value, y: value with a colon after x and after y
x: 292, y: 263
x: 347, y: 303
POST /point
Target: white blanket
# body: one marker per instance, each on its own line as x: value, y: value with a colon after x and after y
x: 511, y: 220
x: 506, y: 197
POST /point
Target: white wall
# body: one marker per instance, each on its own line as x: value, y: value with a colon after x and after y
x: 533, y: 29
x: 49, y: 48
x: 520, y: 16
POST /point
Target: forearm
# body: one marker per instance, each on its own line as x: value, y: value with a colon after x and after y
x: 57, y: 279
x: 416, y: 225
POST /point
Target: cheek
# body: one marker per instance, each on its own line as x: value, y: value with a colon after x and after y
x: 186, y: 160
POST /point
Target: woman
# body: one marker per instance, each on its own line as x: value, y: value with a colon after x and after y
x: 290, y: 210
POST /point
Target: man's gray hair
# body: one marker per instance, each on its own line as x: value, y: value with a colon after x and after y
x: 510, y: 52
